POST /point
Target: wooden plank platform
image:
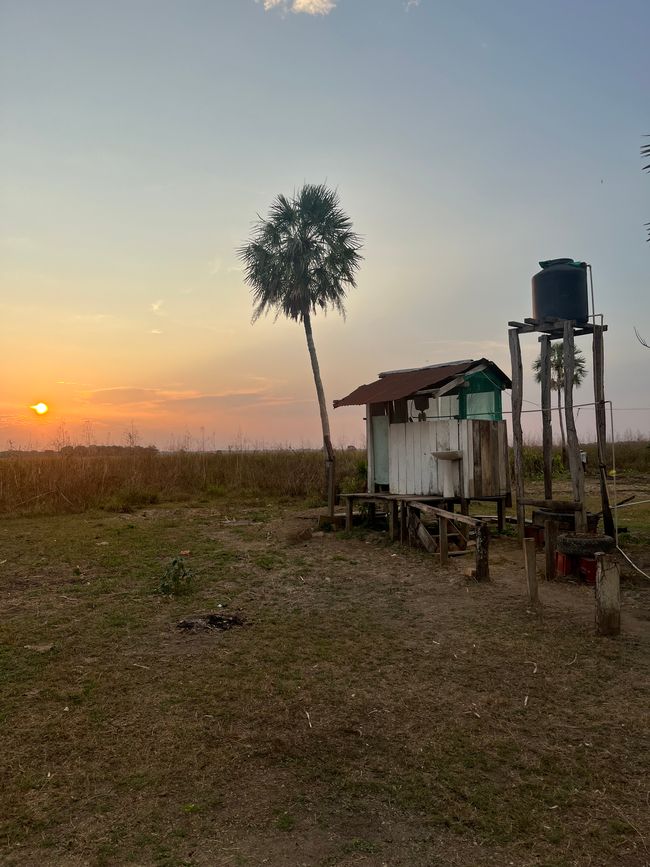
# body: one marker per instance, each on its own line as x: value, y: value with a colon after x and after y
x: 554, y: 328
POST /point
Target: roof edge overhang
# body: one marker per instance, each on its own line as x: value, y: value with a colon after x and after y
x: 398, y: 384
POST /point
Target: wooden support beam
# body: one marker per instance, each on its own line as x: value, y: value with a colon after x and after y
x: 553, y: 505
x: 550, y: 547
x: 573, y: 446
x: 547, y: 429
x: 393, y: 520
x: 426, y: 540
x: 601, y: 426
x: 501, y: 515
x: 403, y: 522
x: 462, y: 534
x: 608, y: 596
x: 349, y: 511
x: 482, y: 552
x: 443, y: 513
x: 412, y: 522
x: 442, y: 540
x: 530, y: 559
x: 517, y: 435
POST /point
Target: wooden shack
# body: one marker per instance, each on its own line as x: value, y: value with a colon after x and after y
x: 437, y: 431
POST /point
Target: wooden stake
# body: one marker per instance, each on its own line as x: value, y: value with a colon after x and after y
x: 482, y: 552
x: 530, y: 557
x: 517, y: 435
x: 601, y: 425
x: 550, y: 547
x: 547, y: 429
x: 608, y: 596
x: 573, y: 446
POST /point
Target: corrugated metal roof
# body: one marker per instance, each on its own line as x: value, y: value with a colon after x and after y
x: 398, y: 384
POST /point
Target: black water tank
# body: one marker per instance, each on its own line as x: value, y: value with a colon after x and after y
x: 560, y: 290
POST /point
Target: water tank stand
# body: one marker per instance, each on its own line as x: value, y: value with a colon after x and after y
x: 567, y: 330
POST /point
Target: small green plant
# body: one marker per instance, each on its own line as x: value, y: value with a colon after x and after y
x: 285, y: 822
x: 177, y: 578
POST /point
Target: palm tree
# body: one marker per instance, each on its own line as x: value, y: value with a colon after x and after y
x: 303, y: 258
x: 557, y: 379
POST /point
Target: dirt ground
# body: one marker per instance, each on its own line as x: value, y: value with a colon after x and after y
x: 374, y: 709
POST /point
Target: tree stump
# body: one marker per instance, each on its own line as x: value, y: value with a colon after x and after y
x: 608, y: 596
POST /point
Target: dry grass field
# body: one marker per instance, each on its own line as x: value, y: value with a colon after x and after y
x: 374, y: 709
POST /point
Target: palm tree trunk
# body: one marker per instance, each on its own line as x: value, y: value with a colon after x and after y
x: 559, y: 412
x: 324, y: 418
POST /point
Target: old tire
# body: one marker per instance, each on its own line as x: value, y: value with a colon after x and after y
x: 584, y: 544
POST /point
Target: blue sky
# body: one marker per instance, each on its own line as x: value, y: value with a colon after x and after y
x: 467, y: 140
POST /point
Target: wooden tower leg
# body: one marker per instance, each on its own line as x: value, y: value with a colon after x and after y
x: 547, y: 429
x: 517, y: 436
x: 573, y: 446
x: 601, y: 426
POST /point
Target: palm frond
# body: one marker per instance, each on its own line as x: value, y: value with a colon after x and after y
x: 303, y: 257
x: 557, y: 367
x: 641, y: 340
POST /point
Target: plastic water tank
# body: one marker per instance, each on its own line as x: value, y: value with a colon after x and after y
x: 560, y: 290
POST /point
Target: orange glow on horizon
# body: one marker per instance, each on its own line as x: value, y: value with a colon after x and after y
x: 40, y: 408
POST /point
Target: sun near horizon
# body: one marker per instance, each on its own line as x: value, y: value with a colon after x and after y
x: 40, y: 408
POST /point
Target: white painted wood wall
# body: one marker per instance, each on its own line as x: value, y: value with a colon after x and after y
x: 414, y: 470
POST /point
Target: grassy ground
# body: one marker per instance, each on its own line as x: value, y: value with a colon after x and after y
x: 374, y: 710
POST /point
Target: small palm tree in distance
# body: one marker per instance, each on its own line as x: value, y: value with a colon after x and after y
x: 302, y: 259
x: 557, y: 379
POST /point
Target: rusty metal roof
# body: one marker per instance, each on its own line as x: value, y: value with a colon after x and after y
x: 403, y: 383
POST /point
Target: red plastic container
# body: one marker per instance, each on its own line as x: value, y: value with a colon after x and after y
x: 587, y: 570
x: 565, y: 565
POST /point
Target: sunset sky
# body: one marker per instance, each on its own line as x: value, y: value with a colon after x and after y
x: 468, y: 139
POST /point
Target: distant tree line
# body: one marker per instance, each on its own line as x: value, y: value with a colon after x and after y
x: 82, y: 451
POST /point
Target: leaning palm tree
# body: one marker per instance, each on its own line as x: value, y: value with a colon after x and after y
x: 301, y: 259
x: 557, y: 379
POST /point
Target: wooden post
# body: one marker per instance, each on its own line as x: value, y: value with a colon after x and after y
x: 530, y: 559
x: 372, y: 514
x: 349, y: 507
x: 370, y: 450
x: 517, y: 435
x: 411, y: 523
x: 403, y: 518
x: 393, y: 520
x: 501, y: 514
x: 482, y: 552
x: 443, y: 541
x: 547, y: 429
x: 550, y: 547
x: 608, y: 596
x: 601, y: 425
x: 573, y: 446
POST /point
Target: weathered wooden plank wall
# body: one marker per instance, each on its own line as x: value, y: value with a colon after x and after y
x: 483, y: 443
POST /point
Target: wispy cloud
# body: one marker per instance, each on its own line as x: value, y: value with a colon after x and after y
x: 409, y: 4
x: 157, y: 399
x: 156, y: 307
x: 309, y: 7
